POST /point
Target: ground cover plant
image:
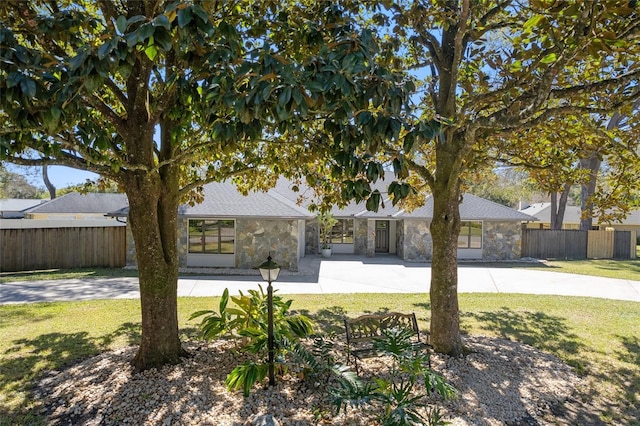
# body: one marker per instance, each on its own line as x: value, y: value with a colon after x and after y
x: 599, y: 338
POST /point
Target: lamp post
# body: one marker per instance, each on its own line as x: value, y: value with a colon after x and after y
x: 270, y: 271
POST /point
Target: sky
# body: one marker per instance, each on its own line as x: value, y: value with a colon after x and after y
x: 60, y: 176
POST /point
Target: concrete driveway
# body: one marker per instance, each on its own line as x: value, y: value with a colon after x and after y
x: 339, y: 274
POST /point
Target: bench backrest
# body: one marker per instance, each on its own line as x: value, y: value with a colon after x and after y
x: 367, y: 327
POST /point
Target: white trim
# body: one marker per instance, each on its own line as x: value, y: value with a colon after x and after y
x: 211, y: 260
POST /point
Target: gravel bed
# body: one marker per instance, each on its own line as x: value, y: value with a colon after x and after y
x: 500, y: 383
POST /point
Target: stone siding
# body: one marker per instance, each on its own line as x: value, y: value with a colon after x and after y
x: 312, y: 237
x: 255, y: 238
x: 371, y: 238
x: 360, y: 236
x: 416, y: 246
x: 501, y: 240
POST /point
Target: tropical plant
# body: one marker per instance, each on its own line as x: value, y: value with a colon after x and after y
x: 396, y: 399
x: 246, y: 321
x: 326, y: 222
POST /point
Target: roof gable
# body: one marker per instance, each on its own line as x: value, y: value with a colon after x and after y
x: 74, y: 202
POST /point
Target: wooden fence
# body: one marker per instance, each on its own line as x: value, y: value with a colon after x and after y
x: 65, y: 248
x: 575, y: 244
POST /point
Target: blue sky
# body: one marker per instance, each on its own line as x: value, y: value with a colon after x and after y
x: 60, y: 176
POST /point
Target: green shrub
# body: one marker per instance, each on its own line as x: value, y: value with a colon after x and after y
x: 246, y: 321
x: 396, y: 399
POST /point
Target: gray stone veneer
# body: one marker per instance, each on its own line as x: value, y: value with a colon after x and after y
x: 416, y: 245
x: 255, y: 238
x: 501, y: 240
x: 360, y: 236
x: 312, y: 237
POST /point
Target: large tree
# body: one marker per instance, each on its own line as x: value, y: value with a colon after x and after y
x: 491, y: 68
x: 162, y: 97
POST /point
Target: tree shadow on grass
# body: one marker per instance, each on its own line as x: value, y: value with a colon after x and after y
x: 545, y: 332
x: 329, y: 320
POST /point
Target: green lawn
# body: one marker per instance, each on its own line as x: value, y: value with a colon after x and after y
x: 600, y: 338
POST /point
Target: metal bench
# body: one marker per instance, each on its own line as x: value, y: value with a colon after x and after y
x: 362, y: 331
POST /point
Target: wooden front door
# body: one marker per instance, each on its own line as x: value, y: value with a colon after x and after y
x: 382, y: 236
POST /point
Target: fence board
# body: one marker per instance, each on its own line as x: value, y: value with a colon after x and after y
x: 67, y: 248
x: 622, y: 245
x: 554, y: 244
x: 600, y: 244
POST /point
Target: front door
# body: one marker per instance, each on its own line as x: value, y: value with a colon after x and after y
x: 382, y: 236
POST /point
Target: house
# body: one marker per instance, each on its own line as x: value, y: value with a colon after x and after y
x: 78, y: 206
x: 571, y: 220
x: 231, y: 230
x: 13, y: 208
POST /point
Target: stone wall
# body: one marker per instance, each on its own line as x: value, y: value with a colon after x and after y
x: 312, y: 237
x: 255, y: 238
x: 360, y: 236
x: 400, y: 239
x: 416, y: 246
x: 501, y: 240
x: 371, y: 238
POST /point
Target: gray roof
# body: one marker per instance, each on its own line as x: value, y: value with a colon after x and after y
x: 472, y: 208
x: 222, y: 199
x: 74, y: 202
x: 18, y: 204
x: 572, y: 214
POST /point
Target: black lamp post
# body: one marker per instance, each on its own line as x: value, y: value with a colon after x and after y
x: 270, y: 271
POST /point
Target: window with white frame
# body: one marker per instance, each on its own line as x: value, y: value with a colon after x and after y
x: 470, y: 235
x: 212, y: 236
x: 342, y: 232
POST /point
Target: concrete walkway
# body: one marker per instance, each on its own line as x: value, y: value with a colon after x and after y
x: 339, y: 274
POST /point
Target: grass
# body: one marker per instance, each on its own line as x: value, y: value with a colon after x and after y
x: 67, y: 274
x: 599, y: 338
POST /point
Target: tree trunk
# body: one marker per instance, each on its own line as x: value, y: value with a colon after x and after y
x: 558, y: 207
x: 592, y: 164
x: 153, y: 211
x: 47, y: 182
x: 445, y: 228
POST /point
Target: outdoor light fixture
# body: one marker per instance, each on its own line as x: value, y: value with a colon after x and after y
x: 270, y: 271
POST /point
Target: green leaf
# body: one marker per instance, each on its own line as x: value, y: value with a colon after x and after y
x: 534, y: 21
x: 551, y: 57
x: 184, y: 17
x: 13, y: 79
x: 135, y: 19
x: 28, y: 87
x: 162, y: 21
x: 121, y: 24
x: 77, y: 61
x: 104, y: 50
x: 224, y: 300
x: 151, y: 52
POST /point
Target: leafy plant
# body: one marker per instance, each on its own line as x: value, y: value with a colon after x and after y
x: 247, y: 321
x: 326, y: 222
x: 396, y: 399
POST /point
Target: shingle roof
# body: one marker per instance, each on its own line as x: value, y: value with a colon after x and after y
x: 222, y: 199
x: 472, y: 208
x: 74, y: 202
x: 572, y: 214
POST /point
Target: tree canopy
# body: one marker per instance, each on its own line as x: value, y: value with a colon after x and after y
x: 162, y: 97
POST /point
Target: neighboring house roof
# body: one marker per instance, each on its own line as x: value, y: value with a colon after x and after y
x: 222, y: 199
x: 14, y: 207
x: 472, y: 208
x: 74, y: 202
x: 572, y: 214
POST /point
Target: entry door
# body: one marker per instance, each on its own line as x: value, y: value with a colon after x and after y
x: 382, y: 236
